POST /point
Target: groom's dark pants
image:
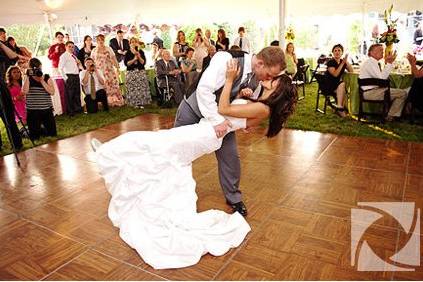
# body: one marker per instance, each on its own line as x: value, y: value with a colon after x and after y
x: 227, y: 156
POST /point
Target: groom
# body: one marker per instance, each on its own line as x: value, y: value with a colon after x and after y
x: 266, y: 65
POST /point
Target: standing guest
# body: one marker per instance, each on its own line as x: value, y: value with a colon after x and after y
x: 7, y: 56
x: 418, y: 35
x: 180, y: 47
x: 274, y: 43
x: 54, y: 53
x: 242, y: 41
x: 206, y: 60
x: 167, y: 67
x: 158, y: 40
x: 23, y: 51
x: 207, y: 33
x: 85, y: 51
x: 92, y: 82
x: 39, y: 88
x: 200, y: 45
x: 105, y: 60
x: 119, y: 45
x: 157, y: 53
x: 222, y: 42
x: 8, y: 117
x: 371, y: 69
x: 189, y: 68
x: 291, y: 60
x: 14, y: 84
x: 415, y: 95
x: 69, y: 67
x: 335, y: 69
x: 75, y: 48
x: 138, y: 93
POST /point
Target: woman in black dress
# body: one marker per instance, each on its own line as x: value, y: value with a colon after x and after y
x: 415, y: 95
x: 222, y: 42
x: 180, y: 47
x: 334, y: 84
x: 85, y: 51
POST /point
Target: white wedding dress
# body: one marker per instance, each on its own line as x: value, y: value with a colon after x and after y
x: 149, y: 176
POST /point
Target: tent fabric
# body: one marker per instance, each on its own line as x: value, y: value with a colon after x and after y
x: 98, y: 12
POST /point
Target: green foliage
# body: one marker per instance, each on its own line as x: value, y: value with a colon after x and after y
x: 355, y: 33
x: 307, y: 37
x: 167, y: 40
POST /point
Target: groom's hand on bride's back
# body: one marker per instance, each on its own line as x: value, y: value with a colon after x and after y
x: 222, y: 128
x: 246, y: 92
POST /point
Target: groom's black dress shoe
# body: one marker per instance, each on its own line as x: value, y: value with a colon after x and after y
x: 239, y: 207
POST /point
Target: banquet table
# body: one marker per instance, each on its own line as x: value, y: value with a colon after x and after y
x: 397, y: 80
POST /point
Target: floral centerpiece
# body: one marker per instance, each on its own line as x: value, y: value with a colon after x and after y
x: 290, y: 36
x: 389, y: 37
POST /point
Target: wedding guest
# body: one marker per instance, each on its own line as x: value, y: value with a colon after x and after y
x: 75, y: 48
x: 23, y: 51
x: 206, y: 61
x: 85, y: 51
x: 138, y: 90
x: 14, y: 84
x: 8, y: 117
x: 157, y: 53
x: 418, y: 35
x: 371, y: 69
x: 200, y: 46
x: 158, y: 40
x: 69, y: 67
x: 167, y: 67
x: 119, y: 45
x: 7, y: 56
x: 242, y: 40
x: 222, y: 42
x: 54, y: 53
x: 38, y: 89
x: 415, y: 95
x: 207, y: 33
x: 105, y: 60
x: 333, y: 84
x: 92, y: 82
x: 291, y: 60
x: 189, y: 68
x: 180, y: 46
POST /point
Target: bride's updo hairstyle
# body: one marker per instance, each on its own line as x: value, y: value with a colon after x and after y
x: 282, y: 103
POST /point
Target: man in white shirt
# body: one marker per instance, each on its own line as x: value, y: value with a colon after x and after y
x: 242, y: 41
x: 92, y: 81
x: 267, y: 64
x: 69, y: 67
x: 371, y: 69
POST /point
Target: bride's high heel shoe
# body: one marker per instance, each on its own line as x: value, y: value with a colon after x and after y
x: 95, y: 144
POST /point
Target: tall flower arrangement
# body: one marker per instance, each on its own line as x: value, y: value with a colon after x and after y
x: 389, y: 37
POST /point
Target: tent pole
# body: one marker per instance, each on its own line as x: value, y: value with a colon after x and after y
x: 282, y: 15
x: 48, y: 23
x: 40, y: 36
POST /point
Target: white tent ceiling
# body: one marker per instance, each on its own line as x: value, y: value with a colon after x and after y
x: 183, y: 11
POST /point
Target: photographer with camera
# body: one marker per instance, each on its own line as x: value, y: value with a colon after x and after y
x: 200, y: 45
x: 138, y: 90
x: 92, y: 81
x: 38, y: 89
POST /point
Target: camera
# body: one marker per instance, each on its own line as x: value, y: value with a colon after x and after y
x: 34, y: 72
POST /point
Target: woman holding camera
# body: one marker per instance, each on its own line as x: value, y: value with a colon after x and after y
x: 38, y: 89
x: 138, y: 90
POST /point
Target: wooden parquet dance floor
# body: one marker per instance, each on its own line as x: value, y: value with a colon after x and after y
x: 299, y: 188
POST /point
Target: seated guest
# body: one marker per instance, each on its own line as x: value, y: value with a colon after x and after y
x: 14, y: 83
x: 206, y: 61
x: 333, y: 83
x: 38, y: 89
x: 291, y: 60
x: 274, y: 43
x: 85, y: 51
x: 138, y: 90
x: 92, y: 81
x: 189, y: 68
x: 415, y: 95
x: 69, y: 66
x: 371, y: 69
x: 167, y: 67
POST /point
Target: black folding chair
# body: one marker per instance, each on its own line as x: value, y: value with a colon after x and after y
x: 386, y: 102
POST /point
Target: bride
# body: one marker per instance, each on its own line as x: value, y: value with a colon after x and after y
x: 149, y: 177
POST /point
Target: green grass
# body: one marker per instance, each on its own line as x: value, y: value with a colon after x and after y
x: 304, y: 118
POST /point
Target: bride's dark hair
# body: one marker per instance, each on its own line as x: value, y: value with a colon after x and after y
x: 282, y: 103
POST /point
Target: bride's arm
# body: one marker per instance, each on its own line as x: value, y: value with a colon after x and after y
x: 250, y: 110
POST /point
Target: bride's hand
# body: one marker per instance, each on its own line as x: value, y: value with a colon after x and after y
x: 232, y: 70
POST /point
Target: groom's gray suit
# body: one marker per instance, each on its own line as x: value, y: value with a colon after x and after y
x: 203, y: 103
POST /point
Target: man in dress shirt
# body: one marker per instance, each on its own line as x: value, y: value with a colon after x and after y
x: 266, y: 65
x: 69, y: 67
x: 207, y: 33
x: 371, y: 69
x: 119, y: 45
x: 242, y: 41
x: 92, y: 81
x: 167, y: 67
